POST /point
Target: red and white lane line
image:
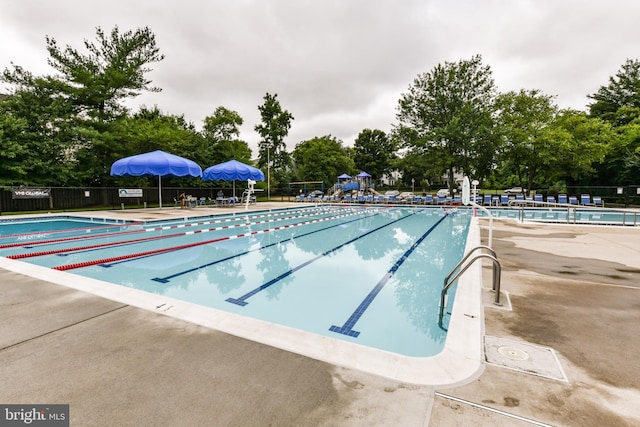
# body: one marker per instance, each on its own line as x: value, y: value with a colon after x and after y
x: 205, y: 242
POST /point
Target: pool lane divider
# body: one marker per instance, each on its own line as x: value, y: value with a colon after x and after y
x: 242, y: 301
x: 191, y: 245
x: 166, y: 279
x: 140, y: 230
x: 66, y: 230
x: 347, y: 327
x: 141, y: 240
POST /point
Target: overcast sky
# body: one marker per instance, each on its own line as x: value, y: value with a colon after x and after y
x: 338, y: 66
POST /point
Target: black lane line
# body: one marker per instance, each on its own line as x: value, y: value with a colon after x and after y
x: 347, y: 328
x: 166, y: 279
x: 242, y: 300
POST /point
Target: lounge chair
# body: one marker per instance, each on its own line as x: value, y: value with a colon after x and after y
x: 538, y: 198
x: 428, y: 199
x: 551, y: 199
x: 573, y: 200
x: 585, y: 199
x: 520, y: 197
x: 504, y: 199
x: 487, y: 199
x: 562, y: 198
x: 597, y: 201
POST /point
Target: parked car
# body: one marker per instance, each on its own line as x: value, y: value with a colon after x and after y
x: 443, y: 192
x: 316, y: 193
x: 406, y: 195
x: 514, y: 190
x: 390, y: 193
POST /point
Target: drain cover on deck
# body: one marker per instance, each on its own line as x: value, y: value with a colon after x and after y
x: 525, y: 357
x: 513, y: 353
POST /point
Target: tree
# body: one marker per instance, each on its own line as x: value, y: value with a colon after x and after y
x: 623, y: 90
x: 149, y: 130
x: 275, y: 126
x: 448, y: 114
x: 374, y: 152
x: 113, y: 69
x: 92, y: 87
x: 221, y: 143
x: 523, y: 118
x: 36, y: 135
x: 321, y: 159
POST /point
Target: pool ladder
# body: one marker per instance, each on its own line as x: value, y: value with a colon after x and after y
x: 459, y: 269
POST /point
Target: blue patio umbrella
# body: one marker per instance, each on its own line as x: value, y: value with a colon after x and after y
x: 156, y: 163
x: 231, y: 171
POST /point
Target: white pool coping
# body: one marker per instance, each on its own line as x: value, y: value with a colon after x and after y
x: 458, y: 363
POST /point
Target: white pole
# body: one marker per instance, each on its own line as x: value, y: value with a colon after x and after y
x: 160, y: 189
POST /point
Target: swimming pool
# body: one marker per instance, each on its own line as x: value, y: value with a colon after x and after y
x: 356, y: 286
x: 569, y: 215
x: 369, y: 275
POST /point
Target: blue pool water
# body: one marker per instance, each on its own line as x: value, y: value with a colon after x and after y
x: 368, y: 275
x: 593, y: 216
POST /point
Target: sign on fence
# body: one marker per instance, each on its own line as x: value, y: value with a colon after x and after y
x: 30, y: 193
x: 130, y: 192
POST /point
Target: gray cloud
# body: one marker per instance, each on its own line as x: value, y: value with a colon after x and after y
x: 338, y: 66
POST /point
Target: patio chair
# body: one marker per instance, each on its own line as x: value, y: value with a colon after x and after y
x: 538, y: 198
x: 562, y: 198
x: 487, y: 199
x: 202, y: 201
x: 573, y: 200
x: 428, y: 199
x: 551, y: 199
x: 597, y: 201
x: 585, y: 199
x: 504, y: 199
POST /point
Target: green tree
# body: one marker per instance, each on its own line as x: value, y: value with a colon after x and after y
x: 221, y: 131
x: 149, y: 130
x: 95, y: 84
x: 36, y: 134
x: 448, y: 114
x: 522, y: 119
x: 273, y: 156
x: 321, y: 159
x: 374, y: 152
x: 111, y: 71
x: 623, y: 90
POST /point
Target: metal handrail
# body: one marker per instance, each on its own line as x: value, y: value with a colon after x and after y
x: 497, y: 271
x: 446, y: 279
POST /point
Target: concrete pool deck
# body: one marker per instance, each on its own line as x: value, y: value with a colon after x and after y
x: 574, y: 292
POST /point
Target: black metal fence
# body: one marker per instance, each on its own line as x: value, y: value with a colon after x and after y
x: 78, y: 198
